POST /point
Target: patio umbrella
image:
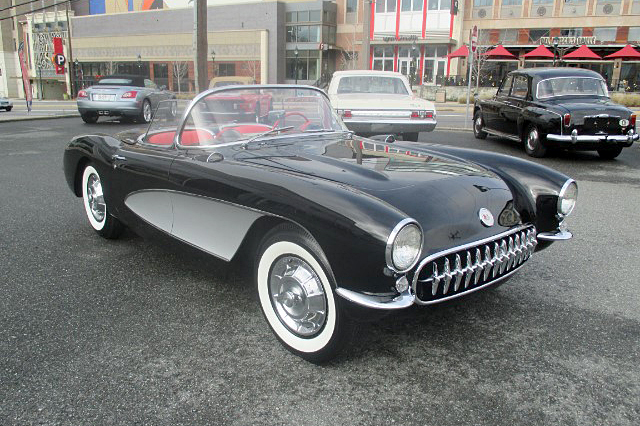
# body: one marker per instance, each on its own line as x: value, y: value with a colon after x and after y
x: 499, y: 52
x: 461, y: 52
x: 582, y: 52
x: 540, y: 52
x: 627, y: 53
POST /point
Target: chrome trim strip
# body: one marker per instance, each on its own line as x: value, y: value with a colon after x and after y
x: 404, y: 300
x: 557, y: 235
x: 388, y: 252
x: 501, y: 134
x: 464, y: 293
x: 473, y: 244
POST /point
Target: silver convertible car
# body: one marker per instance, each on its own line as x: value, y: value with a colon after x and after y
x: 131, y: 97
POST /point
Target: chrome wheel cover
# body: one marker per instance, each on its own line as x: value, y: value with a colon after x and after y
x: 532, y: 139
x: 478, y: 124
x: 146, y: 112
x: 95, y: 197
x: 297, y: 296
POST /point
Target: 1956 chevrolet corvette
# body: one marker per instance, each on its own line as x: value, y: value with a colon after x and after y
x: 333, y: 223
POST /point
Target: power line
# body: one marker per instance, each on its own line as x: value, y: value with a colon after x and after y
x: 39, y: 9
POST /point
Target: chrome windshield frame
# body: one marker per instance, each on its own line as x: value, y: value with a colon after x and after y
x: 200, y: 96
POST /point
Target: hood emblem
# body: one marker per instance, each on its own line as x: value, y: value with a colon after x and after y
x: 486, y: 218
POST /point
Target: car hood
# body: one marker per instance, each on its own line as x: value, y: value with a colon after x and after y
x: 379, y: 101
x: 579, y: 108
x: 443, y: 193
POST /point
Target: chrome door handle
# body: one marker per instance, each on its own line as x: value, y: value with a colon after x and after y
x: 118, y: 157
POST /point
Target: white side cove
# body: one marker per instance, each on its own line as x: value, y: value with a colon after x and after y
x: 211, y: 225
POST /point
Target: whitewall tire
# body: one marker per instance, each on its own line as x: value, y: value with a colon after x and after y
x: 296, y: 294
x: 95, y: 205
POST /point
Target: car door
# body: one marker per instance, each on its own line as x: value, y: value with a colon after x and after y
x: 141, y: 175
x: 491, y: 109
x: 511, y: 108
x: 153, y: 93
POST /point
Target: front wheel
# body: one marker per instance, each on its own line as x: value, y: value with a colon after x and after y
x: 532, y: 142
x: 410, y: 137
x: 96, y: 207
x: 609, y: 153
x: 9, y: 109
x: 296, y: 292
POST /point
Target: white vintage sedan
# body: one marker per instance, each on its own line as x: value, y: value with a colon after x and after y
x: 380, y: 102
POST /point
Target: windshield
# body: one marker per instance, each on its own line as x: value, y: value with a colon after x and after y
x: 571, y: 86
x: 166, y: 118
x: 372, y: 84
x: 243, y: 114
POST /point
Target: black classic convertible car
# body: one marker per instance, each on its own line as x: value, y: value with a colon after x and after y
x: 567, y: 108
x: 335, y: 225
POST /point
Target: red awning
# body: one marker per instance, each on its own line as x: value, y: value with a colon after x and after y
x: 499, y: 52
x: 539, y: 52
x: 461, y: 52
x: 626, y: 52
x: 582, y: 52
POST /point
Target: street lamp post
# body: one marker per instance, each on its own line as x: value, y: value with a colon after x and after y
x: 213, y: 63
x: 414, y: 48
x: 556, y: 41
x: 76, y: 84
x: 139, y: 64
x: 296, y: 53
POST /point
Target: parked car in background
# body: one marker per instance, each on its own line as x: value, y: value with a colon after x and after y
x: 5, y: 103
x: 335, y: 226
x: 566, y: 108
x: 130, y: 97
x: 380, y: 102
x: 234, y: 80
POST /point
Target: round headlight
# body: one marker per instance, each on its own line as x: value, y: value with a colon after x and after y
x: 567, y: 197
x: 406, y: 247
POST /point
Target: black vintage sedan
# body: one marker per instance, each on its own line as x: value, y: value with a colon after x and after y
x: 335, y: 226
x: 567, y: 108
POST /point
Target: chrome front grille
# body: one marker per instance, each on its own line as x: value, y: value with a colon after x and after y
x: 467, y: 268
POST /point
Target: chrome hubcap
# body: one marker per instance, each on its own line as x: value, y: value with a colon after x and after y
x: 297, y: 296
x: 532, y: 139
x: 147, y: 112
x: 478, y: 124
x: 96, y: 198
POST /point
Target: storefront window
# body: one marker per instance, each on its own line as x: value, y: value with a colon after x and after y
x: 511, y: 2
x: 435, y: 63
x: 479, y: 3
x: 307, y: 65
x: 605, y: 33
x: 534, y: 35
x: 634, y: 34
x: 441, y: 4
x: 508, y: 36
x: 571, y: 32
x: 383, y: 58
x: 385, y: 6
x: 411, y: 5
x: 303, y: 33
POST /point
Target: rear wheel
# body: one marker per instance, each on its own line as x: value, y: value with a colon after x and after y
x: 609, y: 153
x: 410, y: 136
x: 478, y: 124
x: 89, y: 118
x: 297, y: 297
x: 96, y: 207
x: 532, y: 142
x: 9, y: 109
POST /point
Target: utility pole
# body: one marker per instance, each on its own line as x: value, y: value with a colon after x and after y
x: 366, y: 50
x: 200, y: 44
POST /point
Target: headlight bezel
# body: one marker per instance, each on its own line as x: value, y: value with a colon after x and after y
x: 391, y: 242
x: 563, y: 191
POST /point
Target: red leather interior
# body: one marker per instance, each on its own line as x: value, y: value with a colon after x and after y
x: 189, y: 137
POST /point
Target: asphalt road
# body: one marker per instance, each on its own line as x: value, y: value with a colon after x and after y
x: 127, y: 332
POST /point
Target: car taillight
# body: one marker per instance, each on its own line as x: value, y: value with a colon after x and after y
x: 428, y: 114
x: 83, y: 94
x: 130, y: 94
x: 421, y: 114
x: 632, y: 120
x: 415, y: 114
x: 347, y: 113
x: 566, y: 119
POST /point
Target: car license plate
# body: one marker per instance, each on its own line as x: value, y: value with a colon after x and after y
x: 103, y: 97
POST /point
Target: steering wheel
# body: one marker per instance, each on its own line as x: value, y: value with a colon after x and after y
x: 302, y: 127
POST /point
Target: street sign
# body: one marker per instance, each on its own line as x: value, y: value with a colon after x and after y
x: 474, y: 38
x: 59, y: 60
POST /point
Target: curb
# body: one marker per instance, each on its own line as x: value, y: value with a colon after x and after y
x: 40, y: 117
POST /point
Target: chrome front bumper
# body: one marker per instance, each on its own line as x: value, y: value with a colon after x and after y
x: 377, y: 126
x: 574, y: 137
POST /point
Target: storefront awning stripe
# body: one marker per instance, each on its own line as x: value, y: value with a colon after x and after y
x: 582, y: 52
x: 500, y: 52
x: 539, y: 52
x: 461, y: 52
x: 626, y: 52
